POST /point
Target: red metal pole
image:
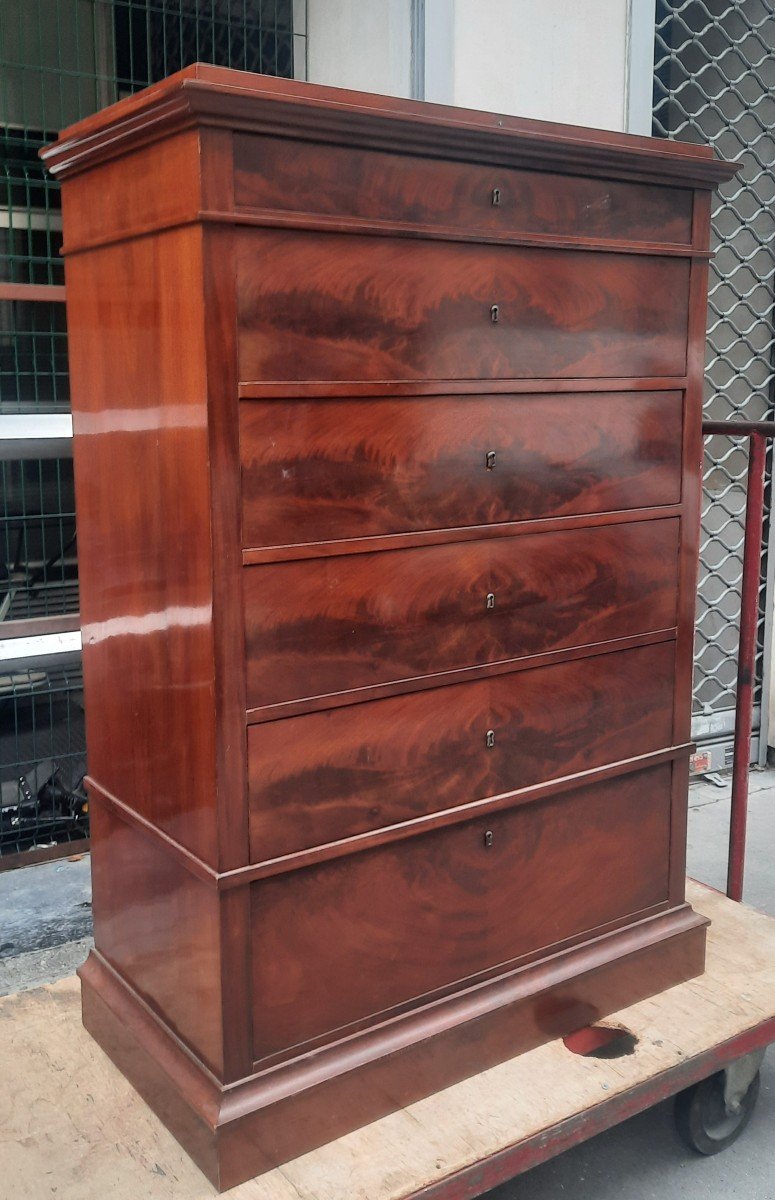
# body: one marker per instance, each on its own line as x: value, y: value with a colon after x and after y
x: 746, y: 661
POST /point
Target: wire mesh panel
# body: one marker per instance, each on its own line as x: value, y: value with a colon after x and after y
x: 33, y: 358
x: 715, y: 82
x: 61, y: 60
x: 42, y: 758
x: 37, y: 539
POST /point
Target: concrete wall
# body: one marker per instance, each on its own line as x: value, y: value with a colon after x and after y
x: 550, y: 59
x: 362, y: 44
x: 585, y: 63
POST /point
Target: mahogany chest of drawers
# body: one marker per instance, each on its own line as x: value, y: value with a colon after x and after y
x: 387, y: 449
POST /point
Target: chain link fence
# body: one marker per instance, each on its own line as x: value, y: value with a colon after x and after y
x: 714, y: 82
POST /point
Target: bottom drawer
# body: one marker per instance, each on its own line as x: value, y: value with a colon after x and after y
x: 340, y: 941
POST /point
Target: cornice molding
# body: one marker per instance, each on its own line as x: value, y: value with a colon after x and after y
x: 202, y: 95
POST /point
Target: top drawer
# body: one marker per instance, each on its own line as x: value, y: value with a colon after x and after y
x: 371, y: 186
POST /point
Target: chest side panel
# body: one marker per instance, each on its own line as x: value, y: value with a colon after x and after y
x: 143, y: 500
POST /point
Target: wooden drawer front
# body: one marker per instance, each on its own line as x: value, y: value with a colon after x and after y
x: 329, y: 775
x: 331, y: 624
x: 321, y: 306
x: 369, y: 185
x: 315, y: 470
x: 414, y: 917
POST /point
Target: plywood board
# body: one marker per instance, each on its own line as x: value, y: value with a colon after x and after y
x: 72, y: 1127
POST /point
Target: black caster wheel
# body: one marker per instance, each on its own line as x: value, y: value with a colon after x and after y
x: 702, y: 1119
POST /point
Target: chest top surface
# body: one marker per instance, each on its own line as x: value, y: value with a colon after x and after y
x: 219, y: 97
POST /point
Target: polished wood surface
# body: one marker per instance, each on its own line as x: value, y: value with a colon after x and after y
x: 262, y: 104
x: 442, y: 1144
x: 157, y: 926
x: 332, y: 774
x: 387, y: 499
x: 125, y: 194
x: 381, y: 618
x: 317, y: 470
x: 500, y: 887
x: 319, y: 306
x: 264, y: 1122
x: 144, y: 552
x: 340, y: 182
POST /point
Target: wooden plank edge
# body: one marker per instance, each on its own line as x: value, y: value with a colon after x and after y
x: 46, y: 292
x: 474, y: 1180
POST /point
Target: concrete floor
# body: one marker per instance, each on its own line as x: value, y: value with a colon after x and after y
x: 46, y: 920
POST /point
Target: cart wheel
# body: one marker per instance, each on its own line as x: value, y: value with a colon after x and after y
x: 702, y: 1118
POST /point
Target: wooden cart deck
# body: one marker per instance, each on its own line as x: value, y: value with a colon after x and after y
x: 72, y: 1123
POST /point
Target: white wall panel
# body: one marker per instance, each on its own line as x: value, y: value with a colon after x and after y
x: 362, y: 44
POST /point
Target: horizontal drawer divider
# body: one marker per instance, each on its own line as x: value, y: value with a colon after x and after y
x: 447, y: 817
x: 292, y: 708
x: 255, y: 555
x: 283, y: 389
x: 240, y: 876
x: 374, y: 226
x: 185, y: 857
x: 354, y: 226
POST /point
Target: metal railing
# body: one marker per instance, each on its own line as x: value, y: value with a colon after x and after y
x: 758, y: 433
x: 714, y: 83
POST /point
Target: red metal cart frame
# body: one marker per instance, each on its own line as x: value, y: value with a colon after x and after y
x: 757, y: 432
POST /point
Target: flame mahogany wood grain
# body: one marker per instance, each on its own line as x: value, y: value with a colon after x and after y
x: 380, y: 618
x: 322, y: 306
x: 317, y: 470
x: 337, y: 181
x: 328, y: 775
x: 447, y: 907
x: 332, y: 258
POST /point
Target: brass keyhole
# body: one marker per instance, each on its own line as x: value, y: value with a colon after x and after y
x: 495, y: 314
x: 489, y: 460
x: 489, y: 838
x: 490, y: 600
x: 489, y: 739
x: 496, y: 196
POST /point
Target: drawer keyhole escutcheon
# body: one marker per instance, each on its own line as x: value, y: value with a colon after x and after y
x: 490, y: 601
x: 489, y: 739
x: 489, y: 837
x: 489, y: 460
x: 496, y: 197
x: 495, y: 314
